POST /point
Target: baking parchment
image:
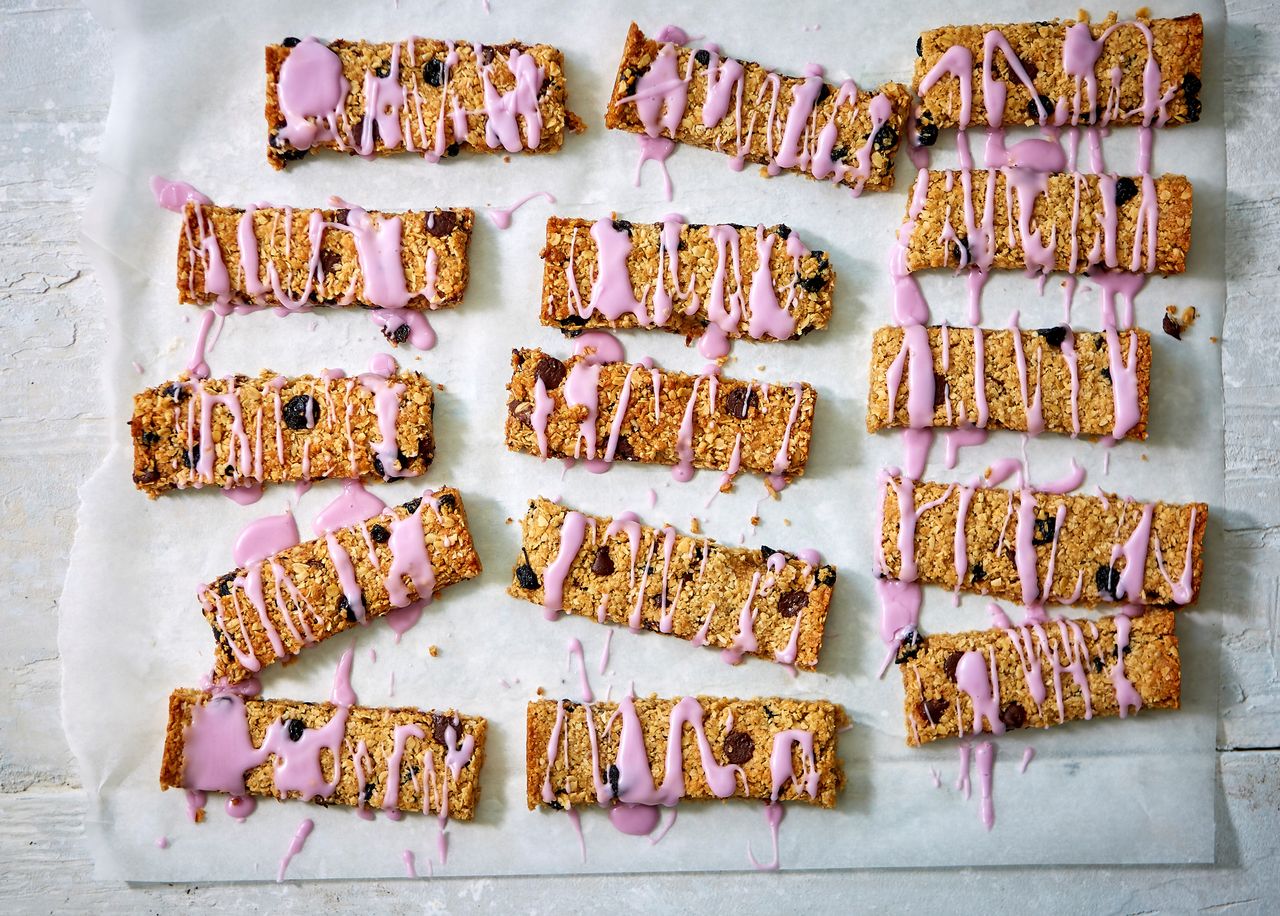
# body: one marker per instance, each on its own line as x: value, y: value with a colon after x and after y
x: 187, y: 103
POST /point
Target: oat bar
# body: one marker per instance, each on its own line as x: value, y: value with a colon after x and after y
x: 1038, y: 675
x: 767, y: 603
x: 837, y: 133
x: 1061, y: 72
x: 1071, y: 222
x: 398, y: 759
x: 271, y: 610
x: 1054, y: 379
x: 347, y: 256
x: 1031, y: 547
x: 239, y: 431
x: 773, y: 749
x: 427, y: 96
x: 608, y: 411
x: 750, y: 281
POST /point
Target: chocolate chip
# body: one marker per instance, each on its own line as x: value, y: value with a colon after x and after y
x: 602, y: 565
x: 291, y: 42
x: 1045, y: 529
x: 439, y: 728
x: 379, y: 534
x: 300, y: 412
x: 738, y: 747
x: 295, y: 728
x: 613, y: 779
x: 433, y: 72
x: 441, y: 222
x: 447, y: 501
x: 886, y: 138
x: 739, y: 401
x: 909, y: 647
x: 793, y: 602
x: 190, y: 457
x: 1054, y: 336
x: 1126, y: 190
x: 1170, y: 325
x: 526, y: 577
x: 550, y: 371
x: 932, y: 711
x: 330, y: 261
x: 703, y: 57
x: 926, y: 134
x: 1013, y: 715
x: 622, y: 225
x: 1107, y: 580
x: 949, y: 666
x: 412, y: 505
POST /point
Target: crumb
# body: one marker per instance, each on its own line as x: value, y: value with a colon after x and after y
x: 694, y: 525
x: 1144, y: 456
x: 433, y: 651
x: 541, y: 692
x: 1213, y: 340
x: 440, y: 386
x: 755, y: 521
x: 506, y: 159
x: 1142, y: 13
x: 787, y: 522
x: 509, y: 520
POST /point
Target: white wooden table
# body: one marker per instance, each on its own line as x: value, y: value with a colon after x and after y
x: 56, y: 84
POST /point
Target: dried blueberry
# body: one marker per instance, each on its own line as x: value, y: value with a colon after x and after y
x: 949, y: 666
x: 1045, y: 529
x: 1033, y: 113
x: 452, y: 150
x: 177, y: 392
x: 926, y: 134
x: 783, y: 231
x: 1191, y: 85
x: 816, y: 283
x: 433, y: 72
x: 624, y: 450
x: 823, y: 93
x: 447, y: 501
x: 382, y: 70
x: 886, y: 138
x: 1013, y: 715
x: 1194, y: 107
x: 379, y: 534
x: 191, y: 458
x: 961, y: 245
x: 703, y: 57
x: 224, y: 585
x: 295, y: 728
x: 441, y: 223
x: 1097, y: 665
x: 909, y: 647
x: 397, y: 335
x: 613, y: 779
x: 366, y: 794
x: 978, y: 573
x: 622, y: 225
x: 300, y: 412
x: 932, y: 711
x: 920, y: 46
x: 150, y: 475
x: 766, y: 552
x: 412, y: 505
x: 939, y: 389
x: 738, y: 748
x: 602, y: 565
x: 340, y: 216
x: 344, y: 605
x: 149, y: 438
x: 793, y: 602
x: 550, y: 371
x: 1054, y: 336
x: 1107, y: 580
x: 739, y: 401
x: 291, y: 42
x: 1106, y: 374
x: 1126, y: 190
x: 526, y: 577
x: 1170, y: 325
x: 826, y: 576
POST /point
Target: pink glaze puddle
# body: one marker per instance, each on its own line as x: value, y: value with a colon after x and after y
x: 773, y: 812
x: 659, y: 150
x: 634, y: 820
x: 174, y: 195
x: 295, y: 847
x: 403, y: 619
x: 501, y: 216
x: 410, y: 867
x: 162, y: 842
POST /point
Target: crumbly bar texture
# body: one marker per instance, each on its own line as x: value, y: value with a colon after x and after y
x: 936, y: 708
x: 804, y: 289
x: 739, y: 731
x: 434, y: 246
x: 433, y: 95
x: 1093, y: 528
x: 1047, y: 369
x: 289, y: 429
x: 1069, y: 200
x: 649, y: 432
x: 375, y: 727
x: 676, y: 595
x: 302, y: 598
x: 1177, y: 47
x: 752, y: 128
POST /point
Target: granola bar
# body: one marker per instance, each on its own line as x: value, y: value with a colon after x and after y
x: 1032, y: 547
x: 1070, y: 222
x: 837, y: 133
x: 756, y: 282
x: 607, y: 411
x: 773, y: 749
x: 239, y: 431
x: 427, y: 96
x: 1039, y: 674
x: 271, y: 610
x: 294, y: 258
x: 397, y: 759
x: 1145, y: 71
x: 1048, y: 379
x: 767, y: 603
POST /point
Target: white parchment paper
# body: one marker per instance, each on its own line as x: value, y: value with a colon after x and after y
x: 188, y: 104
